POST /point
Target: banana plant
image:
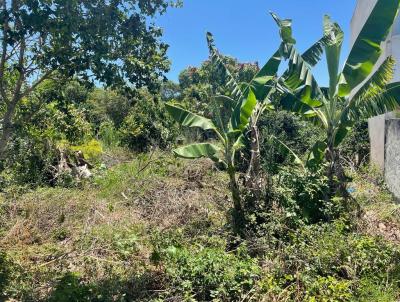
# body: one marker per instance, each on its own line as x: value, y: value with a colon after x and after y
x: 361, y: 90
x: 245, y: 101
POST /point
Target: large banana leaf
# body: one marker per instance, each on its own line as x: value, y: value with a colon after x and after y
x: 299, y: 73
x: 313, y: 55
x: 296, y: 159
x: 198, y: 151
x: 333, y: 50
x: 292, y: 102
x: 378, y: 81
x: 342, y: 131
x: 367, y: 47
x: 266, y: 74
x: 243, y: 112
x: 189, y: 119
x: 385, y: 101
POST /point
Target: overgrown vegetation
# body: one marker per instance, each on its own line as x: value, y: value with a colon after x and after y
x: 99, y: 202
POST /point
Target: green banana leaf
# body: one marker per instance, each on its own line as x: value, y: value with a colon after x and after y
x: 342, y: 131
x: 296, y: 159
x: 189, y: 119
x: 333, y: 50
x: 198, y: 151
x: 285, y: 27
x: 216, y: 57
x: 266, y: 74
x: 367, y: 47
x: 243, y: 112
x: 317, y: 154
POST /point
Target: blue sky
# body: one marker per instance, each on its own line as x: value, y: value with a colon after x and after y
x: 244, y: 29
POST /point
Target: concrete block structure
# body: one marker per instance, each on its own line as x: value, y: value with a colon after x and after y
x: 384, y: 130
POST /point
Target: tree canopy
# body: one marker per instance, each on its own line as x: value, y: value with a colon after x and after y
x: 113, y: 42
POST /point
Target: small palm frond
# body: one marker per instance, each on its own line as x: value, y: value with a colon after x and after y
x: 218, y: 60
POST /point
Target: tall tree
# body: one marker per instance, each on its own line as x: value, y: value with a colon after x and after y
x: 114, y: 42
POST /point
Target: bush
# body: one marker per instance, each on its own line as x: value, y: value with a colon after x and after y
x: 91, y: 150
x: 109, y: 135
x: 105, y: 105
x: 329, y: 289
x: 5, y: 270
x: 71, y: 288
x: 32, y: 151
x: 304, y: 191
x: 207, y: 274
x: 330, y: 250
x: 29, y: 162
x: 148, y: 125
x: 296, y: 133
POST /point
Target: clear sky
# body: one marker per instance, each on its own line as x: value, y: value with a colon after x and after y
x: 245, y: 30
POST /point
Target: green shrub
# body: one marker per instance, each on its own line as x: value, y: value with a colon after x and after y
x: 305, y: 191
x: 372, y: 291
x: 5, y: 271
x: 71, y: 288
x: 148, y: 125
x: 331, y: 250
x: 329, y: 289
x: 91, y: 150
x: 205, y: 274
x: 109, y: 135
x: 29, y: 162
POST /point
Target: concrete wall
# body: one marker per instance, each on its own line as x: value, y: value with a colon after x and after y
x: 376, y: 128
x: 392, y: 154
x: 384, y: 130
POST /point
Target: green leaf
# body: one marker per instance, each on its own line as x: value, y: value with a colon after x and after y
x: 232, y: 84
x: 372, y: 105
x: 240, y: 143
x: 367, y: 47
x: 378, y: 81
x: 198, y: 151
x: 243, y: 112
x: 189, y: 119
x: 341, y: 132
x: 291, y: 100
x: 333, y: 50
x: 313, y: 55
x: 266, y: 74
x: 285, y: 27
x: 317, y: 154
x: 293, y: 155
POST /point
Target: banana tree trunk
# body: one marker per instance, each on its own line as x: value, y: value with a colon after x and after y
x: 335, y: 173
x: 253, y: 180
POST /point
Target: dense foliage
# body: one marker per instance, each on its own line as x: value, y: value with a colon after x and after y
x: 275, y: 204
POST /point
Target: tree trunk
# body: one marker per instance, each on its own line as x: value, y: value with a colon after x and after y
x: 7, y: 128
x: 336, y: 175
x: 253, y: 180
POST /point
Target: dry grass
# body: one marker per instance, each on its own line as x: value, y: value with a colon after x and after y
x: 103, y: 230
x: 381, y: 215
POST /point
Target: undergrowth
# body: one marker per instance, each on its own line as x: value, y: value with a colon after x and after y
x: 154, y: 228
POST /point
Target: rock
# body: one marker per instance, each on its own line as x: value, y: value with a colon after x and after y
x: 382, y: 226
